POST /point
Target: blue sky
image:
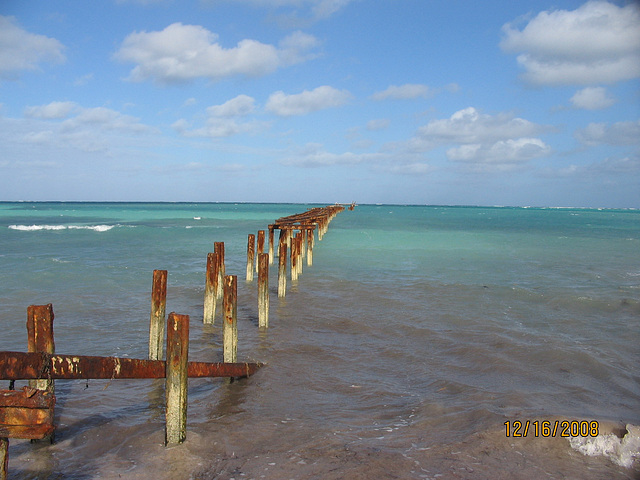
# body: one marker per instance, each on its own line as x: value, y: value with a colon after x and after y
x: 375, y: 101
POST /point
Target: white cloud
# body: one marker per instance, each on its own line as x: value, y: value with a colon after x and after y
x: 221, y: 121
x: 67, y: 130
x: 54, y: 110
x: 306, y: 102
x: 219, y: 128
x: 626, y: 166
x: 484, y: 142
x: 316, y: 9
x: 181, y: 53
x: 469, y: 126
x: 21, y: 50
x: 236, y: 107
x: 314, y: 155
x: 596, y: 43
x: 410, y: 169
x: 592, y: 98
x: 75, y: 117
x: 378, y: 124
x: 105, y: 119
x: 83, y: 80
x: 620, y: 133
x: 509, y: 151
x: 403, y: 92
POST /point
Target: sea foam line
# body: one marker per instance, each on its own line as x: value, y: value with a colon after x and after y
x: 34, y: 228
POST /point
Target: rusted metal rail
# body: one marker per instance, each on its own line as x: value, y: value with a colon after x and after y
x: 23, y: 366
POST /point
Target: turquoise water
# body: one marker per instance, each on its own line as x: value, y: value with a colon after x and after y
x: 417, y: 333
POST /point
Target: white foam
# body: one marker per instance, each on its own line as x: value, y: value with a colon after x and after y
x: 34, y: 228
x: 621, y: 451
x: 96, y: 228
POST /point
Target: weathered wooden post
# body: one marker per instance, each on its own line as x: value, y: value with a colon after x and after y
x: 271, y: 244
x: 259, y: 244
x: 310, y: 237
x: 40, y: 338
x: 230, y: 328
x: 211, y: 289
x: 219, y: 249
x: 176, y: 378
x: 263, y: 290
x: 158, y: 313
x: 251, y: 255
x: 282, y: 267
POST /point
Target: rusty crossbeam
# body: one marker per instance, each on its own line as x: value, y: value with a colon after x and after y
x: 280, y: 225
x: 311, y: 216
x: 22, y: 366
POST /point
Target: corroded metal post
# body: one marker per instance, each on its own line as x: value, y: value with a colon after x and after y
x: 219, y: 249
x: 263, y: 290
x: 230, y: 327
x: 310, y: 237
x: 300, y: 238
x: 211, y: 289
x: 40, y: 337
x: 259, y: 244
x: 176, y: 378
x: 4, y: 458
x: 251, y: 255
x: 158, y: 313
x: 282, y: 267
x: 271, y: 244
x: 294, y: 259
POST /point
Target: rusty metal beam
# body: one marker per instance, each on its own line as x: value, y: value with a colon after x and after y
x: 21, y: 366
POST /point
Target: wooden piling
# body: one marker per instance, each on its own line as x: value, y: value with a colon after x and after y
x: 40, y: 338
x: 230, y: 328
x: 211, y: 289
x: 176, y: 378
x: 251, y: 255
x: 158, y: 313
x: 263, y: 290
x: 219, y: 249
x: 282, y: 267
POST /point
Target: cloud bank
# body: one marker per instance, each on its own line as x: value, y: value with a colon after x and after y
x: 598, y: 43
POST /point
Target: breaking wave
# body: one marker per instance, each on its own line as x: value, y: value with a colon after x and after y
x: 622, y: 451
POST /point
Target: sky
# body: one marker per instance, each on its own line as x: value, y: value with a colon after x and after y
x: 438, y: 102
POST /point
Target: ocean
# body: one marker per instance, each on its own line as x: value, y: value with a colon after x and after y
x: 419, y: 344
